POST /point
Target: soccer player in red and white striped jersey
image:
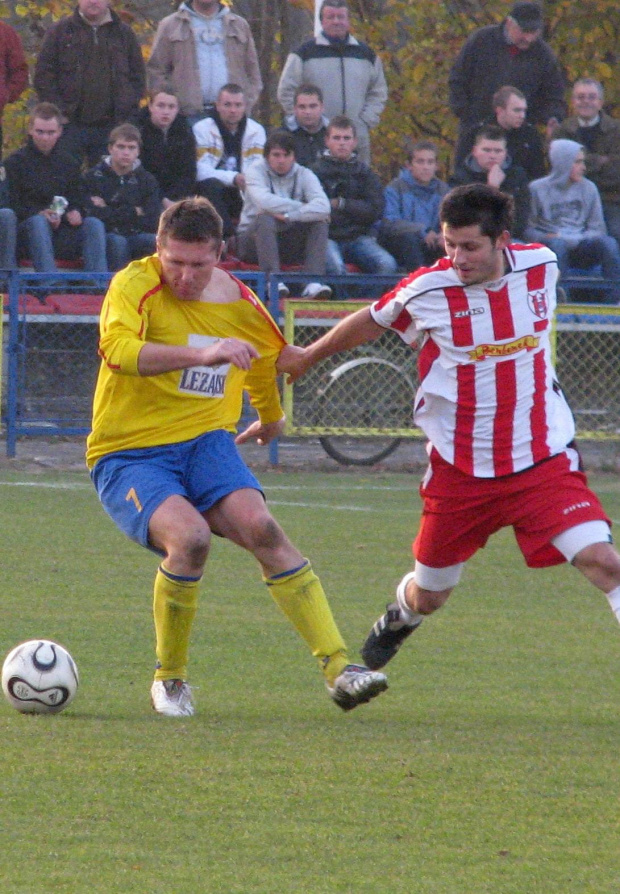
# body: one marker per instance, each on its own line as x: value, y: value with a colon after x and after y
x: 499, y: 428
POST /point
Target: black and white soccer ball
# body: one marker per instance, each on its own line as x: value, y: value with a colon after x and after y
x: 39, y: 677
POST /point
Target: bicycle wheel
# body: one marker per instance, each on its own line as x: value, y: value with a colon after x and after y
x: 363, y: 401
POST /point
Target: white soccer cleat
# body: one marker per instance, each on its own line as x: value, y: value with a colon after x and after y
x: 356, y: 685
x: 172, y: 698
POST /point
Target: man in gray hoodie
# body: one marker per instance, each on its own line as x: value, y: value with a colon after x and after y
x: 285, y: 215
x: 567, y: 215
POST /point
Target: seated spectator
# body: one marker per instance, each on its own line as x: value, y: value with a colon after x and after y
x: 228, y: 144
x: 8, y: 227
x: 490, y: 163
x: 47, y: 195
x: 125, y: 197
x: 410, y: 228
x: 356, y: 198
x: 285, y: 215
x: 308, y: 124
x: 567, y: 215
x: 524, y: 143
x: 168, y: 148
x: 599, y: 134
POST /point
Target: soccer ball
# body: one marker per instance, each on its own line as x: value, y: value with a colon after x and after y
x: 39, y: 677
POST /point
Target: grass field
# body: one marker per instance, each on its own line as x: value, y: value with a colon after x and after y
x: 490, y: 765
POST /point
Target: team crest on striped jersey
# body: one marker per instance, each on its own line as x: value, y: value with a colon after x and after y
x: 538, y: 303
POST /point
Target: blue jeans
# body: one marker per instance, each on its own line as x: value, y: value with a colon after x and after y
x: 601, y: 250
x: 365, y: 252
x: 123, y: 249
x: 43, y: 245
x: 8, y: 239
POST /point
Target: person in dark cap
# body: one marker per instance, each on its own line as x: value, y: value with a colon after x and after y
x: 512, y: 52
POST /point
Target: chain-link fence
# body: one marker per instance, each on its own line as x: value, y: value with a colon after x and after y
x: 368, y: 392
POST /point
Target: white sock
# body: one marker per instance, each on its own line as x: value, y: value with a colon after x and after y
x: 614, y: 601
x: 411, y: 618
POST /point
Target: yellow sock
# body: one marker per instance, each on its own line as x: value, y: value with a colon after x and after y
x: 300, y: 596
x: 175, y: 602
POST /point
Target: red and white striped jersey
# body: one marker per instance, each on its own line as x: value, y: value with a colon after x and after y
x: 488, y: 400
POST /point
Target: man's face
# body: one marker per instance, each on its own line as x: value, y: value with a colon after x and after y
x: 335, y: 22
x: 163, y: 109
x: 205, y: 7
x: 586, y: 101
x: 341, y: 143
x: 423, y: 165
x: 123, y: 154
x: 521, y: 39
x: 280, y: 161
x: 578, y: 168
x: 308, y: 111
x: 476, y: 258
x: 187, y: 267
x: 230, y: 107
x: 45, y: 133
x: 513, y: 115
x: 94, y: 11
x: 489, y: 153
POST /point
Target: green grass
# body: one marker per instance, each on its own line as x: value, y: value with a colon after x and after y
x: 490, y: 765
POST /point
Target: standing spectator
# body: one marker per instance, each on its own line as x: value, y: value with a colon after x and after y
x: 348, y: 72
x: 490, y: 163
x: 125, y: 197
x: 410, y: 228
x: 47, y: 194
x: 168, y: 147
x: 285, y: 215
x: 524, y: 143
x: 229, y: 143
x: 509, y: 53
x: 599, y: 134
x: 308, y: 124
x: 90, y: 65
x: 13, y: 69
x: 356, y: 198
x: 567, y: 215
x: 198, y: 49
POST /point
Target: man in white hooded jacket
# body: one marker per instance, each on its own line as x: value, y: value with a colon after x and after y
x: 285, y: 215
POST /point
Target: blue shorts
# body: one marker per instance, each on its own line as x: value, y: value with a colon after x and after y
x: 132, y: 483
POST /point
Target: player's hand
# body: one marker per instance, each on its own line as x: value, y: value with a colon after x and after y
x: 230, y: 350
x: 292, y: 360
x: 263, y: 434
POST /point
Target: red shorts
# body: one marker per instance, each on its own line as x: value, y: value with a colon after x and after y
x: 461, y: 512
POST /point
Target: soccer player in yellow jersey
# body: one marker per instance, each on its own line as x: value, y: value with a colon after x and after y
x: 180, y: 341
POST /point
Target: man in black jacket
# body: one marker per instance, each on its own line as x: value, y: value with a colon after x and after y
x: 125, y: 197
x: 509, y: 53
x: 90, y: 65
x: 356, y: 198
x: 47, y: 194
x: 168, y: 147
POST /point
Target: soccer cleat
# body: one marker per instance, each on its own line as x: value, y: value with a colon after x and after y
x: 386, y: 637
x: 172, y: 698
x: 356, y: 685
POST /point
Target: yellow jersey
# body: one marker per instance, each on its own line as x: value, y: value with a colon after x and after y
x: 131, y: 411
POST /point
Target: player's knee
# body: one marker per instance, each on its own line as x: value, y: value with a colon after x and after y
x: 263, y: 532
x: 599, y: 560
x: 193, y: 543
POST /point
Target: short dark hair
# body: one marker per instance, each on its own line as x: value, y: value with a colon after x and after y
x: 190, y: 220
x: 490, y: 132
x: 127, y: 132
x: 478, y: 204
x: 46, y: 111
x: 337, y: 4
x: 422, y: 146
x: 341, y: 122
x: 229, y: 88
x: 168, y: 91
x: 308, y: 90
x: 279, y: 139
x: 501, y: 96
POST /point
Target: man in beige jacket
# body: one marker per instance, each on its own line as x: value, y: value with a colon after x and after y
x: 197, y: 50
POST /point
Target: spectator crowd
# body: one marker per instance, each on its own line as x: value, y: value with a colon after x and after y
x: 113, y: 141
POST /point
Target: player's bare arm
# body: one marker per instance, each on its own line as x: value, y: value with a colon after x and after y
x: 354, y: 330
x: 155, y: 359
x: 261, y: 433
